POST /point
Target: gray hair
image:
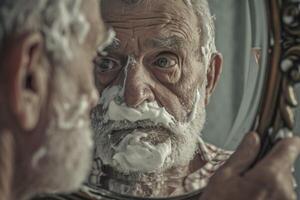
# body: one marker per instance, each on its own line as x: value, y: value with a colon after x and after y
x: 206, y: 27
x: 57, y: 20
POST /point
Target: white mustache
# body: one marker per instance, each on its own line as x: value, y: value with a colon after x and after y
x: 116, y: 110
x: 146, y: 111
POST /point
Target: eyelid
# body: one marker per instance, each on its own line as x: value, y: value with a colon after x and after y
x: 169, y: 55
x: 113, y: 59
x: 101, y: 58
x: 172, y: 63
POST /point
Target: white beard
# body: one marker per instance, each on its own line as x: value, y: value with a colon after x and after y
x: 62, y: 163
x: 158, y: 146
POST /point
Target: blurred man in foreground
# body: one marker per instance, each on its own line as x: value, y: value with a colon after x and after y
x: 46, y: 93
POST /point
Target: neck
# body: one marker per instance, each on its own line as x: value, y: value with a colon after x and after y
x: 168, y: 183
x: 6, y: 164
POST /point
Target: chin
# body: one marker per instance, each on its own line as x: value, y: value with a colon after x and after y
x: 181, y: 148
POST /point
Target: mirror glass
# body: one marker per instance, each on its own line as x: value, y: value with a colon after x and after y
x: 242, y: 38
x: 161, y: 128
x: 140, y: 157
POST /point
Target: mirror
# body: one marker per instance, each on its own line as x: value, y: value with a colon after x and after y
x: 140, y: 157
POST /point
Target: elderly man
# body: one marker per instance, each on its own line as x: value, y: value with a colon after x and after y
x: 155, y: 81
x: 46, y: 93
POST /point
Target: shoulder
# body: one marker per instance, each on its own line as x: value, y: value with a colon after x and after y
x: 219, y: 154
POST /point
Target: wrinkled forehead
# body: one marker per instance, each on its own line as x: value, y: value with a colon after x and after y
x: 139, y: 15
x: 146, y: 6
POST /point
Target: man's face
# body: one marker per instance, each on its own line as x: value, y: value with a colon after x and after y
x: 67, y: 143
x: 152, y: 86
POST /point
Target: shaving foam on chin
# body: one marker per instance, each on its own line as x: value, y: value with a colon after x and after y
x: 135, y: 155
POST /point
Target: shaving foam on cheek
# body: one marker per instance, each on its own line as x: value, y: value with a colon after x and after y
x: 134, y: 155
x: 109, y: 95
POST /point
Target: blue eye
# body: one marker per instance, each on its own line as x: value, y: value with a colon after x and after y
x: 165, y: 62
x: 105, y: 64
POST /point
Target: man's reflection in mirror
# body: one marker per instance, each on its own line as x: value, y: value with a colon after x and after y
x: 46, y: 93
x: 155, y: 81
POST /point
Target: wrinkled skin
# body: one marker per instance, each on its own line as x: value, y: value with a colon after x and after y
x: 47, y: 107
x: 139, y: 28
x: 174, y: 86
x: 165, y: 66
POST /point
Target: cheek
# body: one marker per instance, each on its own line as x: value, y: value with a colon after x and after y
x: 191, y: 80
x: 107, y: 78
x: 170, y: 76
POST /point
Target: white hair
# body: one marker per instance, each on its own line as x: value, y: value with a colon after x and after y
x: 206, y: 27
x: 57, y: 20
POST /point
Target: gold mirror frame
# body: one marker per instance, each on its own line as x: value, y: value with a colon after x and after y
x: 276, y: 115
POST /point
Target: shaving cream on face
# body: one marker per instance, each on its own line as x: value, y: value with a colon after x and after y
x: 135, y: 152
x: 108, y: 95
x: 135, y: 155
x: 146, y: 111
x: 111, y: 100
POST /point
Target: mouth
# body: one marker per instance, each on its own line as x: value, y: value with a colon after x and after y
x: 154, y: 134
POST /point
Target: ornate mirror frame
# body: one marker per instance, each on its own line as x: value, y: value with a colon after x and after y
x: 276, y: 116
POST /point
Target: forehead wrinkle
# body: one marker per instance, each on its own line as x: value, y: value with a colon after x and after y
x: 134, y: 23
x: 164, y: 22
x: 179, y: 34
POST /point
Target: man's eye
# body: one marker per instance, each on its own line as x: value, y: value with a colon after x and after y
x: 105, y: 64
x: 165, y: 62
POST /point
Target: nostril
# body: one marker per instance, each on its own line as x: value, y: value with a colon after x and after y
x: 149, y: 94
x: 136, y: 96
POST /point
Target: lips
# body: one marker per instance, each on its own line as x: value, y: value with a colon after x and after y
x: 155, y: 134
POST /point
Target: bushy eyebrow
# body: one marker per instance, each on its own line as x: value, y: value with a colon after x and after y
x: 108, y: 40
x: 115, y: 44
x: 172, y: 42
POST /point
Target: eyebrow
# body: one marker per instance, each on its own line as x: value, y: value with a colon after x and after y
x: 114, y: 44
x: 173, y: 42
x: 107, y: 41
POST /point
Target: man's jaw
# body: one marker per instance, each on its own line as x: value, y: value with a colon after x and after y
x: 167, y: 147
x: 110, y: 132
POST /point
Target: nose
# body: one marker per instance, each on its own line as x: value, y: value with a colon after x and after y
x: 137, y: 87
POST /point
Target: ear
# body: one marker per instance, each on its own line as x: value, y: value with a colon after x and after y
x: 27, y: 78
x: 213, y: 75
